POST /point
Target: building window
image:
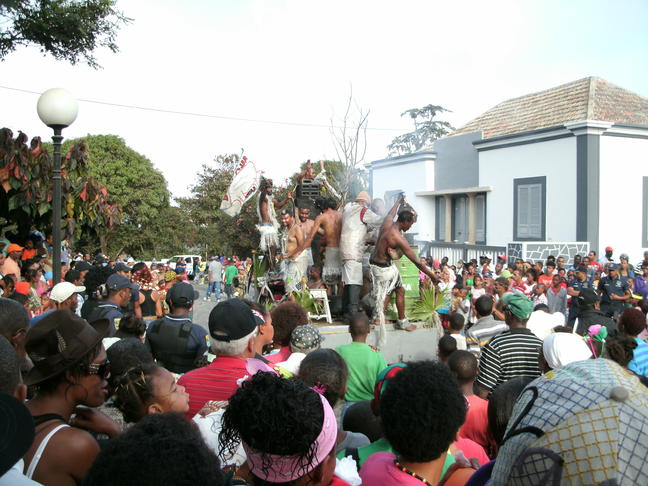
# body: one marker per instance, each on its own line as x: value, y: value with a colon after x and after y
x: 644, y: 219
x: 480, y: 230
x: 529, y: 208
x: 459, y: 219
x: 440, y: 218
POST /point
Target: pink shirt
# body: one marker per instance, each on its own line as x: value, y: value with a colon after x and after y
x: 476, y: 425
x: 379, y: 470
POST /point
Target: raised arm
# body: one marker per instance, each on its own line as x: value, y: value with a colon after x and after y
x: 389, y: 219
x: 407, y: 251
x: 281, y: 204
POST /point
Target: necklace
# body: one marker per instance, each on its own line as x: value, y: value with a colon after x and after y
x: 412, y: 473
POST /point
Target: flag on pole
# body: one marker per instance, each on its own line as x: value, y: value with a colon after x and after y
x: 243, y: 187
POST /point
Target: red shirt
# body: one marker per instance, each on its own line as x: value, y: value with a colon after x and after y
x: 545, y: 279
x: 475, y: 427
x: 217, y: 381
x: 471, y: 449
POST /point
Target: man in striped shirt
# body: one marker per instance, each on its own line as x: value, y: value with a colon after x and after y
x: 486, y: 326
x: 514, y: 352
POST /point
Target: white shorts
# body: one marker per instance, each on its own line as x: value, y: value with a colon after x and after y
x: 332, y: 265
x: 352, y: 272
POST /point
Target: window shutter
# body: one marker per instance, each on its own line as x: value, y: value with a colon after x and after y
x: 529, y: 211
x: 480, y: 233
x: 523, y: 211
x: 441, y: 215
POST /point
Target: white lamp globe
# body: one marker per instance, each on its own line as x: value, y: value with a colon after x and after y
x: 57, y: 108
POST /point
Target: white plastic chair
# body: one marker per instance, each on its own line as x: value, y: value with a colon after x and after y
x: 320, y: 294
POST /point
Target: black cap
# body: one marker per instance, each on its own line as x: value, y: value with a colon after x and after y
x: 181, y: 294
x: 118, y: 282
x: 613, y: 266
x: 588, y: 297
x: 82, y: 266
x: 581, y: 268
x: 122, y: 267
x: 233, y: 319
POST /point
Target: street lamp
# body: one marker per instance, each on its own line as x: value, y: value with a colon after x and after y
x: 57, y: 109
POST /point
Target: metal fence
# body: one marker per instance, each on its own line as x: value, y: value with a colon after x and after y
x: 458, y: 251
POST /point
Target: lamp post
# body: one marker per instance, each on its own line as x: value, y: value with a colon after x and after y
x: 57, y: 109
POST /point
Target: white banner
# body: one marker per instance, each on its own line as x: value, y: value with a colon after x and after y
x: 243, y: 187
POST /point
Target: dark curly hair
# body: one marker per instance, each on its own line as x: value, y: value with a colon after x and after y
x: 95, y: 278
x: 325, y: 202
x: 162, y: 448
x: 286, y: 317
x: 632, y: 321
x: 422, y: 410
x: 134, y: 390
x: 500, y: 406
x: 131, y: 326
x: 620, y: 350
x: 273, y: 415
x: 125, y: 354
x: 325, y: 367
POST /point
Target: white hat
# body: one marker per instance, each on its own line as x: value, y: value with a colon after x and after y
x: 62, y: 291
x: 562, y: 348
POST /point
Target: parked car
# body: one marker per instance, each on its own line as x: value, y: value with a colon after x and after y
x: 189, y: 261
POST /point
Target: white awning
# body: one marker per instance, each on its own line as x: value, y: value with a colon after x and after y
x: 460, y: 190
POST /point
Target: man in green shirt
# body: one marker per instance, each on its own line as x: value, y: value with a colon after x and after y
x: 364, y: 362
x: 231, y: 272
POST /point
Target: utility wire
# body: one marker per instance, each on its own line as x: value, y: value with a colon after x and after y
x: 206, y: 115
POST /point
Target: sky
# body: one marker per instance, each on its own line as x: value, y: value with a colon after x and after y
x: 295, y: 62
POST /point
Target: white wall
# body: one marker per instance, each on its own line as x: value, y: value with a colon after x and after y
x: 410, y: 177
x: 624, y: 163
x: 555, y: 159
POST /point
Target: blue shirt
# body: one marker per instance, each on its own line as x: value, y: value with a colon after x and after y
x: 577, y: 285
x: 639, y: 363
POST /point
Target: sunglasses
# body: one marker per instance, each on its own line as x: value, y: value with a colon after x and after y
x: 101, y: 370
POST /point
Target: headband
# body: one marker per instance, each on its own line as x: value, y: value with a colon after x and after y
x: 280, y: 469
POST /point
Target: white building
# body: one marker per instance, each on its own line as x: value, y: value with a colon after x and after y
x: 569, y: 164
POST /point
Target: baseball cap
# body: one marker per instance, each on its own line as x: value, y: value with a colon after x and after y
x: 613, y: 266
x: 22, y: 288
x: 14, y: 247
x: 62, y: 291
x: 581, y: 268
x: 624, y: 256
x: 117, y: 282
x: 501, y: 257
x: 122, y: 267
x: 305, y: 338
x: 506, y: 274
x: 16, y: 431
x: 181, y: 294
x: 520, y: 305
x: 231, y: 320
x: 588, y: 297
x: 609, y: 248
x: 82, y: 266
x: 583, y: 423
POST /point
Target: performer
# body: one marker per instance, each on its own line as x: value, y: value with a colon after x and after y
x: 330, y: 221
x: 357, y: 221
x: 384, y: 272
x: 306, y: 225
x: 293, y: 268
x: 268, y: 225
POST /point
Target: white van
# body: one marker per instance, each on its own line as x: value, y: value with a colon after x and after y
x: 188, y: 259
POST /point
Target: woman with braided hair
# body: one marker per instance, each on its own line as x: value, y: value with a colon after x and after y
x: 146, y: 389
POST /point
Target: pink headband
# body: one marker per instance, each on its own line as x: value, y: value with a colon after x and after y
x: 281, y: 469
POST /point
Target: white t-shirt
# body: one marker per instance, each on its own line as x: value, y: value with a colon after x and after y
x: 461, y: 341
x: 15, y: 477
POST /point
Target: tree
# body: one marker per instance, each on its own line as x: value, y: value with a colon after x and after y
x: 137, y: 187
x: 425, y: 131
x: 350, y: 142
x: 207, y: 226
x: 26, y: 192
x: 69, y: 30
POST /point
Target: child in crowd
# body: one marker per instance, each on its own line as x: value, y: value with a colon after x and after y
x: 447, y: 346
x: 538, y: 296
x: 303, y: 340
x: 457, y: 323
x: 461, y: 302
x: 463, y: 365
x: 147, y: 389
x: 326, y: 371
x: 363, y: 361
